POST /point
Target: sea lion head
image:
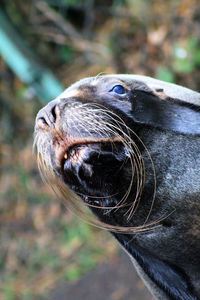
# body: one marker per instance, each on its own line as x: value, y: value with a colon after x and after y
x: 127, y: 147
x: 88, y: 140
x: 96, y: 138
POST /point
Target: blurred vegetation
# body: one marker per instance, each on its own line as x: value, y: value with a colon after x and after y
x: 41, y: 242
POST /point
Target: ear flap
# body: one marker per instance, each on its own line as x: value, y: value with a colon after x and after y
x: 167, y: 114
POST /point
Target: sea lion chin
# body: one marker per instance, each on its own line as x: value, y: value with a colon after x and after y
x: 128, y: 147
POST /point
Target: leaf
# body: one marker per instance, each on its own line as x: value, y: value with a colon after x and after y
x: 164, y: 74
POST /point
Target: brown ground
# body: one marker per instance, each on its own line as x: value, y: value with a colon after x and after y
x: 116, y: 280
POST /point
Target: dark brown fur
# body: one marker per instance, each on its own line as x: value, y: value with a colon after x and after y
x: 133, y: 158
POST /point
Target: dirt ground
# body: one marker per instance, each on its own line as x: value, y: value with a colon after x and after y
x: 111, y: 280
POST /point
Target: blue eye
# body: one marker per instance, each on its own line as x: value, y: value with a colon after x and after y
x: 118, y: 89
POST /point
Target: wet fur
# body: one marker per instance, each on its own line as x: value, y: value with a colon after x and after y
x: 164, y: 131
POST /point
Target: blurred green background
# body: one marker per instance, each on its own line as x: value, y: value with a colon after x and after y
x: 63, y: 41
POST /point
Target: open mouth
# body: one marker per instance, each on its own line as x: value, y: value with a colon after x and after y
x: 77, y: 151
x: 91, y: 152
x: 92, y: 165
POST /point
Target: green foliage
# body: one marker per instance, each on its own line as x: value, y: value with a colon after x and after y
x: 73, y: 273
x: 8, y: 290
x: 66, y: 54
x: 165, y: 74
x: 185, y: 59
x: 73, y: 1
x: 184, y: 56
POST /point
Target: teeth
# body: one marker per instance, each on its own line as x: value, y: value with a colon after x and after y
x: 65, y: 156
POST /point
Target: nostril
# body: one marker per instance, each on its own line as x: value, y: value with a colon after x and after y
x: 46, y: 118
x: 53, y: 112
x: 42, y: 120
x: 42, y: 123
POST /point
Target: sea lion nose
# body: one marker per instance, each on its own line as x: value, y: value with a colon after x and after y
x: 46, y: 117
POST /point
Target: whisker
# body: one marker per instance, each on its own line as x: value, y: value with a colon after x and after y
x: 106, y: 125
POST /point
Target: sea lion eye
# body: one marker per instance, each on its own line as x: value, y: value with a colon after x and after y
x: 118, y: 89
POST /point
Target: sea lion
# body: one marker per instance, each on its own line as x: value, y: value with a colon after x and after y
x: 128, y: 146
